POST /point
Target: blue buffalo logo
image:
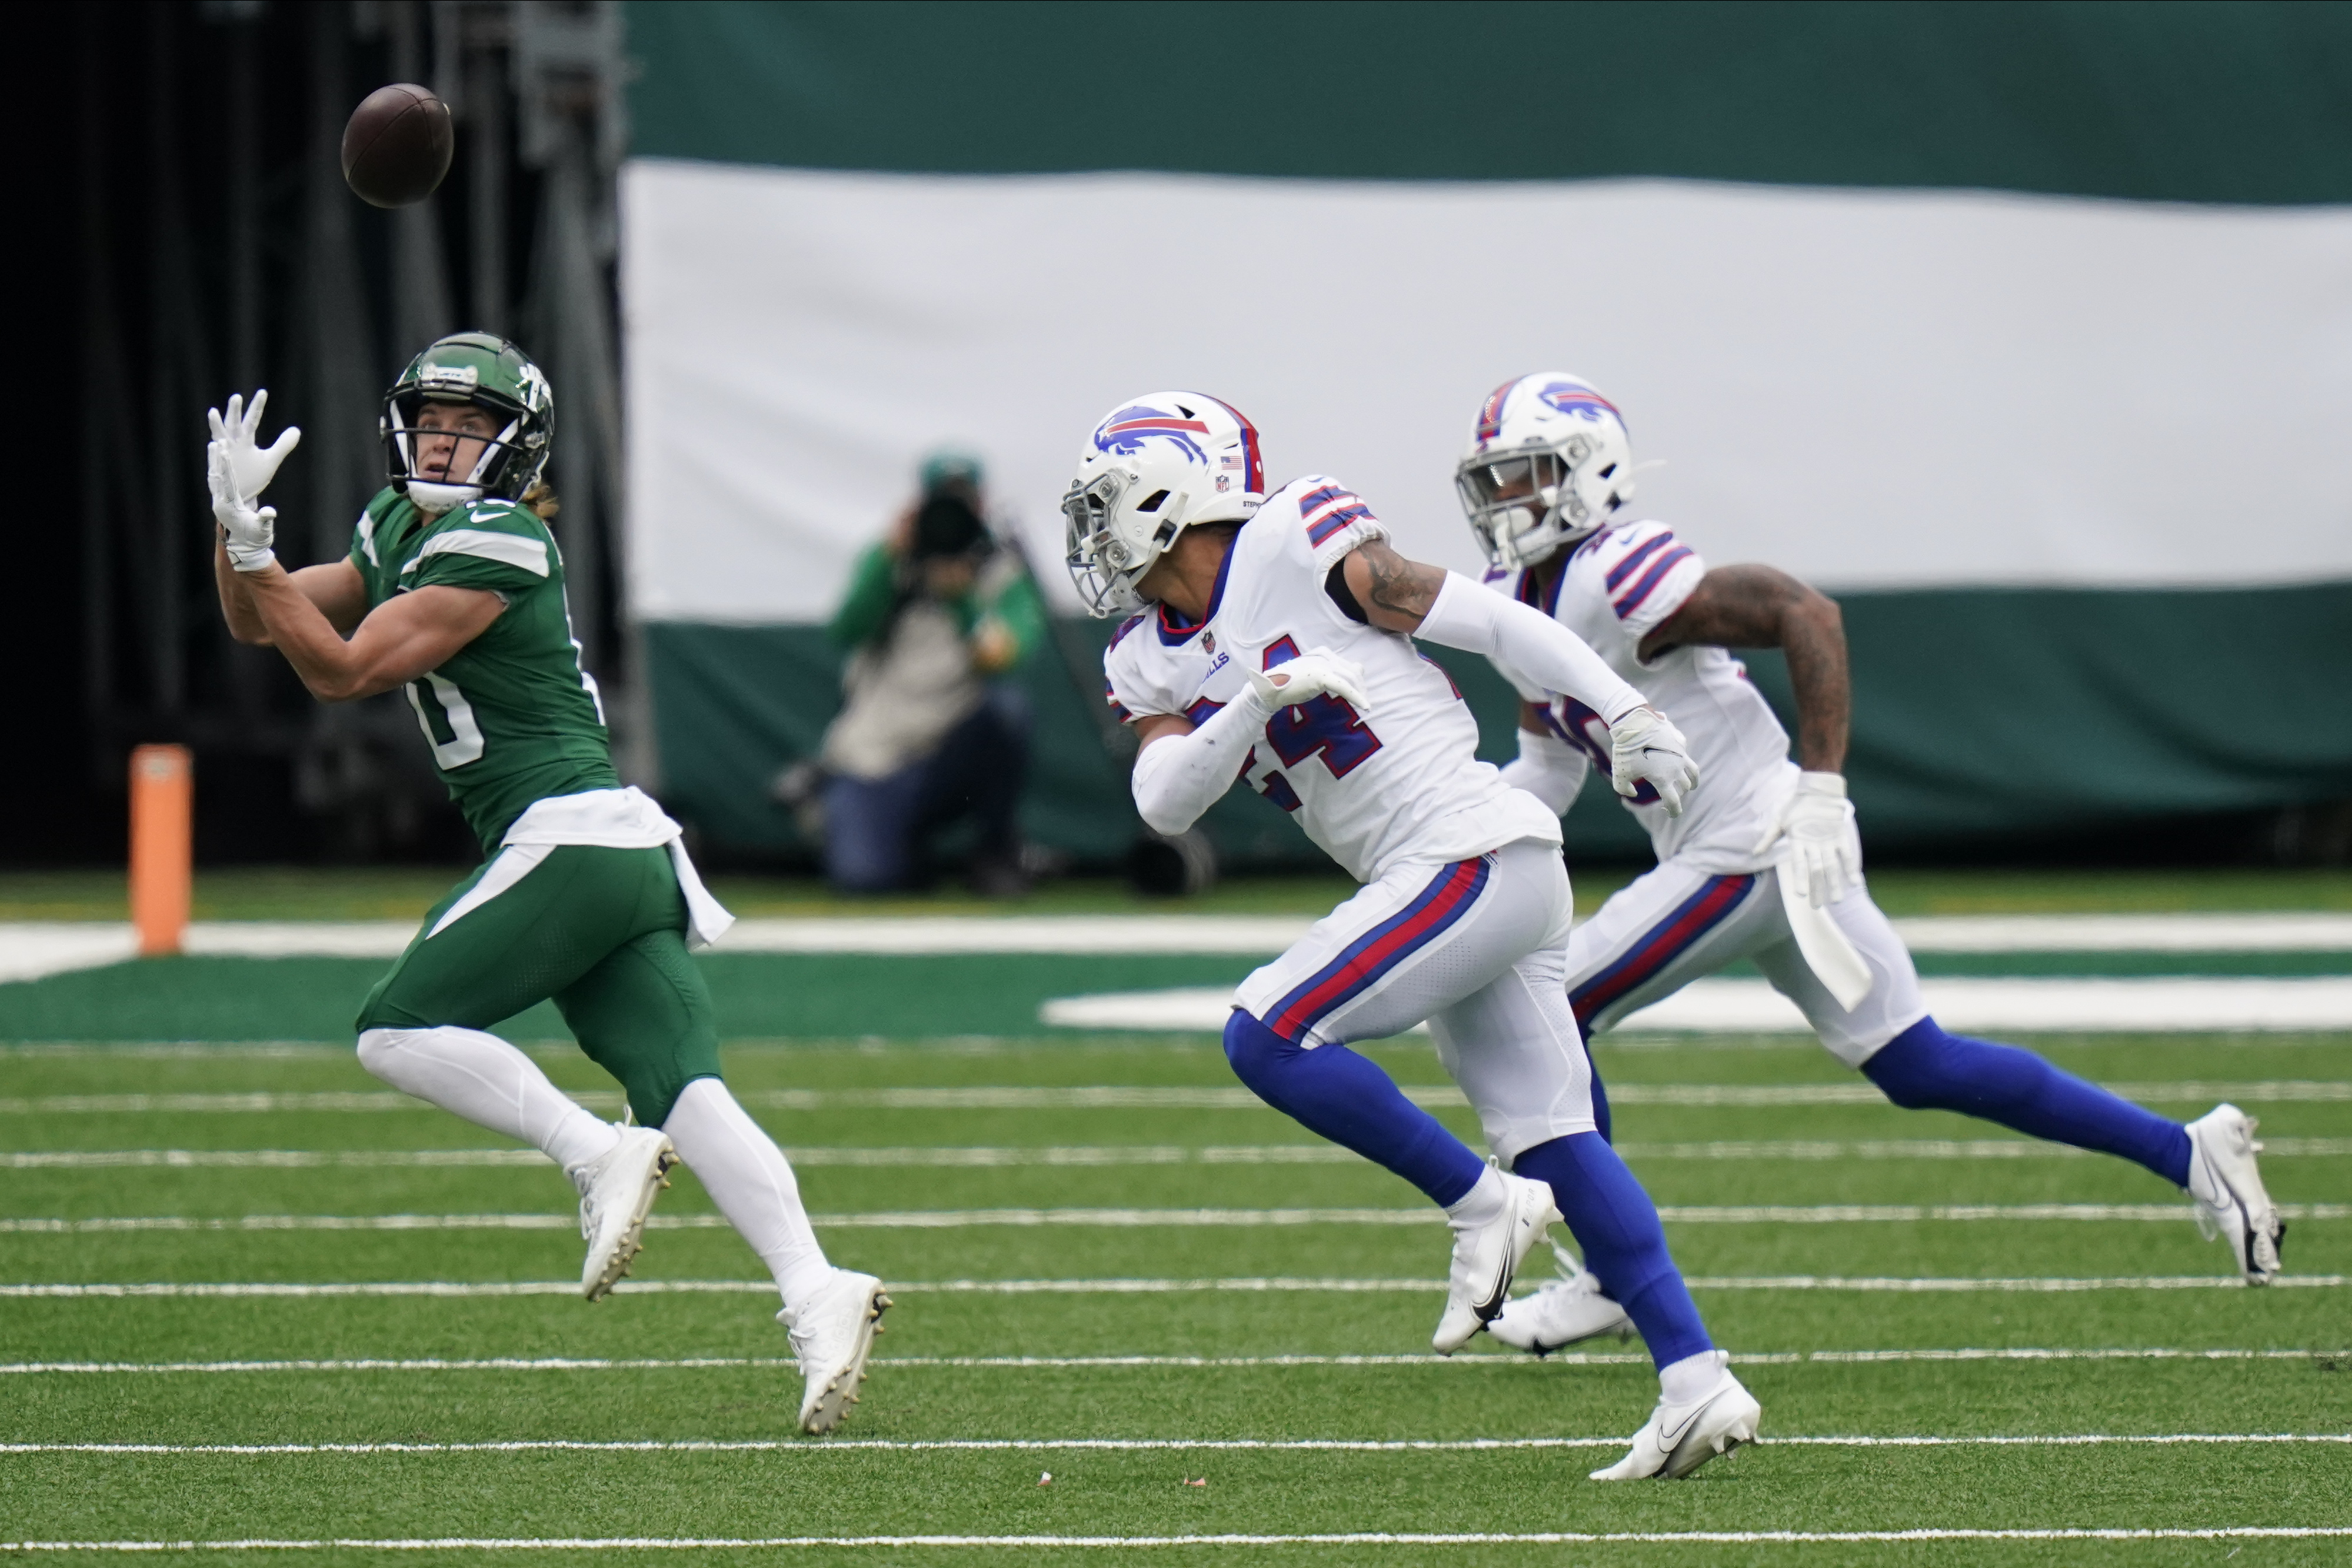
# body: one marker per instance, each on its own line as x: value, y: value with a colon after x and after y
x: 1574, y: 397
x: 1126, y: 432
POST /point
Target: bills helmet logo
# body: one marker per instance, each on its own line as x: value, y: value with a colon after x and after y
x: 1574, y: 397
x: 1126, y: 430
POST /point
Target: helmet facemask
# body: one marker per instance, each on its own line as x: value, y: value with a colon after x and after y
x: 402, y: 432
x: 1524, y: 505
x: 1104, y: 566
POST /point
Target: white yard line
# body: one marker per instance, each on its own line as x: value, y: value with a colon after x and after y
x: 1118, y: 1097
x: 1154, y: 1444
x: 1157, y: 1542
x: 1144, y: 1363
x: 1146, y: 1219
x: 1243, y: 1284
x: 2136, y: 1004
x: 81, y: 944
x: 1097, y: 1154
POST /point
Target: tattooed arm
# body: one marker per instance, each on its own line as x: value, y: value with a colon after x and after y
x: 1375, y: 585
x: 1384, y: 589
x: 1762, y: 607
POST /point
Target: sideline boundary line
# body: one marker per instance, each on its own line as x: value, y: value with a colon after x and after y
x: 1187, y: 1362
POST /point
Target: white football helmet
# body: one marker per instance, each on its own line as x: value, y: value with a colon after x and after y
x: 1548, y: 464
x: 1155, y: 465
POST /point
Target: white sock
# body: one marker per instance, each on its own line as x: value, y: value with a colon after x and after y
x: 749, y: 1178
x: 1681, y: 1382
x: 490, y: 1083
x: 1482, y: 1205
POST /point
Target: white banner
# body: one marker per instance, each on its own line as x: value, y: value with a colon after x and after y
x: 1874, y: 388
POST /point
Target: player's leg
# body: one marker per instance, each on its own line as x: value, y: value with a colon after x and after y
x: 1667, y: 928
x: 1285, y: 1035
x: 1513, y: 1045
x: 1890, y: 1037
x: 1654, y: 935
x: 643, y: 1013
x: 522, y: 927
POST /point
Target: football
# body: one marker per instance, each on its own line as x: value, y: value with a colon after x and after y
x: 397, y: 145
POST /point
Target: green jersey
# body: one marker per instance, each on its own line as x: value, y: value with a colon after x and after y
x: 511, y: 717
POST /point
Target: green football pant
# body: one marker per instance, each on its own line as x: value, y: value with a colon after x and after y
x: 600, y: 931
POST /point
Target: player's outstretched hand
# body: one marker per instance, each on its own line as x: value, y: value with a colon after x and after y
x: 1645, y: 747
x: 249, y: 466
x: 1821, y: 850
x: 1319, y: 672
x: 247, y: 532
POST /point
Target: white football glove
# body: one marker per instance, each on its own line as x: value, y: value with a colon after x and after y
x: 1820, y: 851
x: 1643, y: 745
x: 251, y: 466
x: 1319, y: 672
x: 247, y: 532
x: 237, y: 469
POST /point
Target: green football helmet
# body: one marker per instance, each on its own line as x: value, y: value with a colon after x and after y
x: 490, y: 373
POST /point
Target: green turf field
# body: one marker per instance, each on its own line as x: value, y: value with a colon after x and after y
x: 1112, y: 1266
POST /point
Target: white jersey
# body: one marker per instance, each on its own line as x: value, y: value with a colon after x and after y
x: 1400, y: 782
x: 1619, y: 586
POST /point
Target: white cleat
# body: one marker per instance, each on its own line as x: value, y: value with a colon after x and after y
x: 2228, y: 1187
x: 1567, y: 1310
x: 832, y: 1334
x: 1486, y: 1259
x: 1679, y: 1438
x: 616, y: 1192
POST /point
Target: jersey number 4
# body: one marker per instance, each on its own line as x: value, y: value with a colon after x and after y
x: 1323, y: 725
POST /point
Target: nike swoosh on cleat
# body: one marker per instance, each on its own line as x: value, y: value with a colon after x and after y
x: 1670, y: 1438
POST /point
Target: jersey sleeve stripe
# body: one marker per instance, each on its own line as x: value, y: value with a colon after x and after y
x: 512, y: 549
x: 1110, y: 695
x: 1635, y: 557
x: 1632, y: 599
x: 1327, y: 511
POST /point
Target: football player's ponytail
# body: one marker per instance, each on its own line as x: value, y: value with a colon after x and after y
x: 540, y: 499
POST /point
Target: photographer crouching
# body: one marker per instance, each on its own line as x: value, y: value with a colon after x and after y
x: 930, y: 734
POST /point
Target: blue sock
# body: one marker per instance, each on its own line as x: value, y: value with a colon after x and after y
x: 1344, y: 1097
x: 1924, y: 1068
x: 1617, y: 1224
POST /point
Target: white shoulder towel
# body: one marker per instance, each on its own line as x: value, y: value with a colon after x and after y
x: 611, y: 819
